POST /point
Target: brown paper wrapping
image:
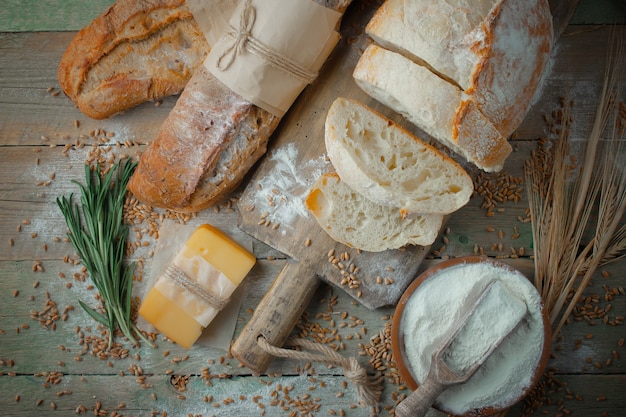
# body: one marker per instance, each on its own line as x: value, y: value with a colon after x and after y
x: 212, y: 16
x: 299, y: 32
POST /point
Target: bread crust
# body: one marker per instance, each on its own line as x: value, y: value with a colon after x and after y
x: 357, y: 222
x: 436, y: 107
x: 494, y: 53
x: 204, y: 148
x: 389, y: 165
x: 135, y: 51
x: 509, y: 74
x: 447, y: 37
x: 206, y: 145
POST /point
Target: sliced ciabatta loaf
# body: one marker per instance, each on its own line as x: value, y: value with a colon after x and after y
x: 135, y: 51
x: 493, y: 51
x: 390, y: 166
x: 355, y: 221
x: 437, y: 34
x: 432, y: 104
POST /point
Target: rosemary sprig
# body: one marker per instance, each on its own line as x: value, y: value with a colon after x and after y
x: 98, y: 234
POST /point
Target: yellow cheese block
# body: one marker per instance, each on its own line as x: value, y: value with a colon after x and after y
x: 170, y: 319
x: 222, y: 252
x: 172, y: 308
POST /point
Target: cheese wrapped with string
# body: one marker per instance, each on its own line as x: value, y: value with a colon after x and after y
x: 196, y: 284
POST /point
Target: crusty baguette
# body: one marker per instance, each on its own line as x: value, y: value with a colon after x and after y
x: 493, y: 51
x: 355, y: 221
x: 390, y: 166
x: 134, y: 52
x: 206, y: 145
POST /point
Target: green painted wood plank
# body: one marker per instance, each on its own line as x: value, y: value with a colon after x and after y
x: 601, y: 395
x: 49, y: 15
x: 29, y: 111
x: 595, y: 12
x: 238, y: 396
x: 72, y: 15
x: 251, y: 396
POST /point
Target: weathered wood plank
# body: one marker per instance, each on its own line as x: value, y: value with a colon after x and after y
x: 588, y: 357
x: 580, y: 339
x: 49, y: 15
x: 103, y: 376
x: 233, y: 396
x: 33, y: 180
x: 279, y: 396
x: 30, y: 111
x: 71, y: 15
x: 598, y: 12
x: 601, y: 395
x: 31, y: 224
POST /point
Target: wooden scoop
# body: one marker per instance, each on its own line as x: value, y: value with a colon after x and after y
x: 444, y: 373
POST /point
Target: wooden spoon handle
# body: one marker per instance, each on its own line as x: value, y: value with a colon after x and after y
x: 276, y: 315
x: 419, y: 401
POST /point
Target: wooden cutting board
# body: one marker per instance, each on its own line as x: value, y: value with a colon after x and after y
x: 272, y: 207
x: 272, y: 210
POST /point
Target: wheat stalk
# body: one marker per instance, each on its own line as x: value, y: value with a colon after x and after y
x: 563, y: 199
x: 617, y: 247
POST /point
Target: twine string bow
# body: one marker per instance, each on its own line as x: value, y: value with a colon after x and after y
x: 242, y: 40
x: 240, y: 36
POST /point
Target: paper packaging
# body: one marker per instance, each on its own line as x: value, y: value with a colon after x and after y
x: 301, y: 32
x: 212, y: 16
x: 219, y: 333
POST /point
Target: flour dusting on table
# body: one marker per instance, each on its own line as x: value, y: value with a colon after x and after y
x: 281, y: 193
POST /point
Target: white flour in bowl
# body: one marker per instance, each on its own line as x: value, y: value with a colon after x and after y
x: 439, y: 302
x: 484, y: 328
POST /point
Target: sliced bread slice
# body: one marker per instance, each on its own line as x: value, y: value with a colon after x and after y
x: 445, y: 36
x: 494, y: 50
x: 434, y: 105
x: 389, y: 165
x: 355, y: 221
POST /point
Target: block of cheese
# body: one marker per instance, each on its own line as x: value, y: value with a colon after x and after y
x: 196, y: 284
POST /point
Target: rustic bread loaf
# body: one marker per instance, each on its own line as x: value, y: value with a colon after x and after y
x: 355, y: 221
x: 206, y: 145
x: 208, y: 142
x: 432, y: 104
x: 493, y: 51
x: 390, y: 166
x: 134, y: 52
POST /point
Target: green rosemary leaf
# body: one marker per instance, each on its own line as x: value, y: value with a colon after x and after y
x: 98, y: 234
x: 100, y: 318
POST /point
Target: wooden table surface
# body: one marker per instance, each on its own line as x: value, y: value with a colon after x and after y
x: 51, y: 357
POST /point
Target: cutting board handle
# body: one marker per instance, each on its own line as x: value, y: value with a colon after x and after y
x: 276, y: 315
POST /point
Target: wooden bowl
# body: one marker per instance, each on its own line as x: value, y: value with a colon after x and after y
x: 398, y: 338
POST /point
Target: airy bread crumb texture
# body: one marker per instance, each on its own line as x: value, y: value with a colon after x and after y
x: 463, y: 71
x: 352, y: 219
x: 389, y: 165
